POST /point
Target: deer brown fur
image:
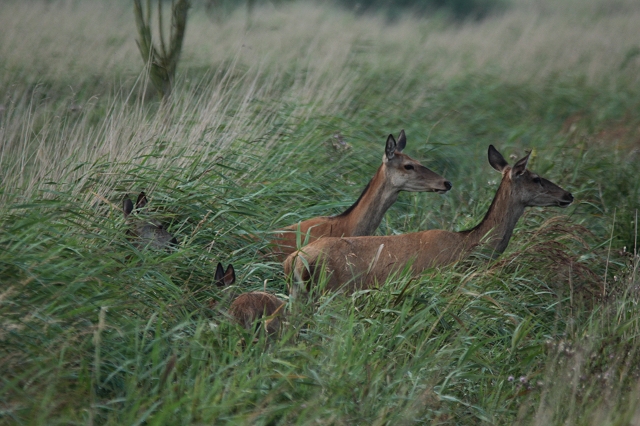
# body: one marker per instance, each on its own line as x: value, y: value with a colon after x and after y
x: 248, y: 309
x: 398, y: 172
x: 362, y: 262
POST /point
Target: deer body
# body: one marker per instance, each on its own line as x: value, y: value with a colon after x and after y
x: 398, y: 172
x: 362, y: 262
x: 250, y: 307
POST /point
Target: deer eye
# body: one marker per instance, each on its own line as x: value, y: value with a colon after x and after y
x: 537, y: 179
x: 408, y: 167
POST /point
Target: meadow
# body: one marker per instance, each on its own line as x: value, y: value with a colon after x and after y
x: 286, y: 119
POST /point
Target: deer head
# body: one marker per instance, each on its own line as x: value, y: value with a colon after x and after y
x: 408, y: 174
x: 145, y: 231
x: 528, y: 188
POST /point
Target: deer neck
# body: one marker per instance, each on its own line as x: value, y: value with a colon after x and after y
x: 495, y: 230
x: 364, y: 217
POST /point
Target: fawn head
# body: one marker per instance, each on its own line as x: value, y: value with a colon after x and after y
x: 146, y: 231
x: 527, y: 187
x: 407, y: 174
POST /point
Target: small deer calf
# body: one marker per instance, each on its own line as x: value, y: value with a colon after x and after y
x: 248, y: 309
x: 145, y: 232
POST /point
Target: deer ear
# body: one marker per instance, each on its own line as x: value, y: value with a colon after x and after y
x: 219, y: 276
x: 142, y: 200
x: 127, y: 206
x: 230, y: 275
x: 402, y: 141
x: 496, y: 159
x: 390, y: 149
x: 520, y: 167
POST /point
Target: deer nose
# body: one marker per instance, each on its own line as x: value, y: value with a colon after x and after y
x: 447, y: 185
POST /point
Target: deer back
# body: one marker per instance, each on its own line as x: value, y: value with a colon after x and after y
x: 248, y: 308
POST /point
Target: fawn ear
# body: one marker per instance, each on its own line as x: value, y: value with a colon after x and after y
x: 496, y: 159
x: 520, y: 167
x: 230, y: 275
x: 219, y: 277
x: 390, y: 149
x: 127, y: 206
x: 142, y: 200
x: 402, y: 141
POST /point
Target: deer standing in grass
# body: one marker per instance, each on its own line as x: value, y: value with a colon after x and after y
x: 145, y: 232
x: 398, y: 172
x: 363, y: 262
x: 249, y: 308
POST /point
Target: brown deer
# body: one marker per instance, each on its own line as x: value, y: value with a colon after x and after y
x: 144, y: 231
x: 362, y: 262
x: 398, y: 172
x: 249, y: 308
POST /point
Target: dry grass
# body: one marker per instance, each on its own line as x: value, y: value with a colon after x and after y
x: 58, y: 48
x: 533, y: 39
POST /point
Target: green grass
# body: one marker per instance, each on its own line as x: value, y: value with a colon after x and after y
x: 96, y: 331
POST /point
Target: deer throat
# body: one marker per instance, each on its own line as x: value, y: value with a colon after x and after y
x: 495, y: 230
x: 367, y: 215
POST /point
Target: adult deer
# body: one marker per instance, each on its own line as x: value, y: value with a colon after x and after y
x: 398, y: 172
x: 362, y: 262
x: 249, y: 308
x: 145, y: 232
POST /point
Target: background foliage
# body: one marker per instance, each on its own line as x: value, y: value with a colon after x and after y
x: 284, y: 120
x: 457, y: 9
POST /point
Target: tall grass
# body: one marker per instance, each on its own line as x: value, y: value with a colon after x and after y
x: 96, y: 330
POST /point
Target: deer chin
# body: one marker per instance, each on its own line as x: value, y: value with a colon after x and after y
x: 437, y: 190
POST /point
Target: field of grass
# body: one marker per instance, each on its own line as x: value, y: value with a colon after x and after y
x: 94, y: 330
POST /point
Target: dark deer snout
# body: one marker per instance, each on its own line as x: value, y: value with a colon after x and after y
x: 447, y: 186
x: 566, y: 199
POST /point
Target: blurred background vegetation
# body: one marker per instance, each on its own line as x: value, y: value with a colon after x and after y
x: 455, y: 9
